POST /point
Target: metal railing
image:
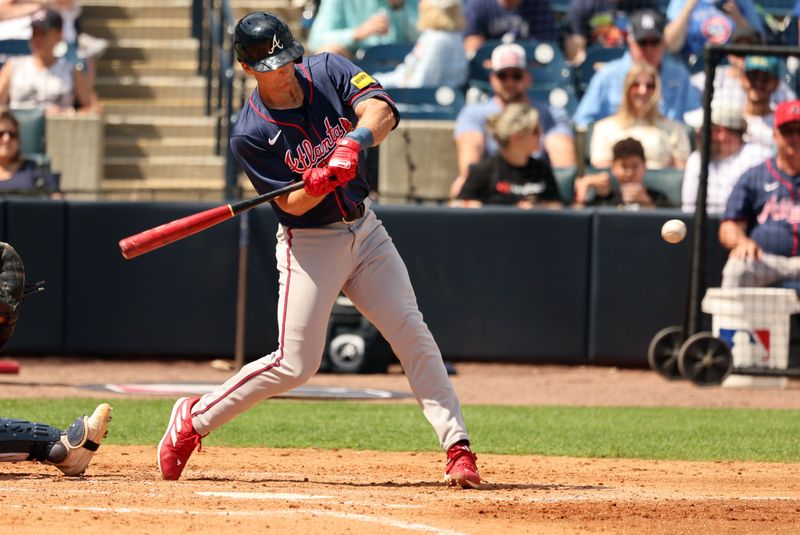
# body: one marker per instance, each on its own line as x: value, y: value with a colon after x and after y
x: 216, y: 64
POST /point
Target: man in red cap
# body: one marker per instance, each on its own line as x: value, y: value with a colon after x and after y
x: 761, y: 224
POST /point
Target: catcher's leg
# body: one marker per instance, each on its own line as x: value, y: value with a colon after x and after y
x: 70, y: 451
x: 21, y: 440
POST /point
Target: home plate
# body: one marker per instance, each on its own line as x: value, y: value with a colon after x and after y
x: 305, y: 391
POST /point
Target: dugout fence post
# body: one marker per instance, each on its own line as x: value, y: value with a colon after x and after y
x: 241, y: 291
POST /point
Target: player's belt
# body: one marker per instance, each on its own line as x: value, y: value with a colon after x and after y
x: 355, y: 214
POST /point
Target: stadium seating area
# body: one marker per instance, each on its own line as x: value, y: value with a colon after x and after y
x: 164, y: 124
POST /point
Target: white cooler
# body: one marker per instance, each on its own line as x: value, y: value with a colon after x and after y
x: 754, y: 322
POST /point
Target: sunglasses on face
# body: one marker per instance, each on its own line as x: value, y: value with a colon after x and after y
x: 758, y: 77
x: 10, y: 133
x: 509, y: 75
x: 650, y: 86
x: 649, y: 43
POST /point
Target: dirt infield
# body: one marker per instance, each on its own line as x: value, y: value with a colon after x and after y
x: 321, y: 491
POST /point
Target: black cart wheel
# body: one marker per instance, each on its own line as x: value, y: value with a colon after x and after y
x: 705, y: 360
x: 662, y: 355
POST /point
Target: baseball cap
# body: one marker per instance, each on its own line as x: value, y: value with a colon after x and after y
x: 787, y: 112
x: 508, y: 56
x: 48, y: 19
x: 768, y: 64
x: 645, y: 24
x: 724, y: 114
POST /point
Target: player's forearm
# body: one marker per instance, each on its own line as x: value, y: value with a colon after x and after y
x: 376, y: 115
x: 731, y: 234
x: 297, y: 202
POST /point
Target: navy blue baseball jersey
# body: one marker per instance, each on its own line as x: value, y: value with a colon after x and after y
x: 768, y: 200
x: 274, y: 147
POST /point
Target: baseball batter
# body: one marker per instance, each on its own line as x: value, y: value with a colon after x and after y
x: 310, y: 119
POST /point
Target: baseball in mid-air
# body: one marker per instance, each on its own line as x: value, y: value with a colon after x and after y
x: 673, y: 231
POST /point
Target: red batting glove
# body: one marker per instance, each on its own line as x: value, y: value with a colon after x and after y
x: 318, y: 181
x: 344, y: 160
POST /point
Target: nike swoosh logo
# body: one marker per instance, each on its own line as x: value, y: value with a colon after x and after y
x: 272, y: 140
x: 772, y: 186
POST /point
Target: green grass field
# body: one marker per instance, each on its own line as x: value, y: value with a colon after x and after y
x: 623, y: 432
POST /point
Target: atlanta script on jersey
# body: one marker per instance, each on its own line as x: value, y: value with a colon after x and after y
x: 274, y: 147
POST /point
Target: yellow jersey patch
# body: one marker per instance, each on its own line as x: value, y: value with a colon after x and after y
x: 362, y: 80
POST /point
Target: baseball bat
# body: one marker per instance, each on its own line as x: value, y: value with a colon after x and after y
x: 162, y: 235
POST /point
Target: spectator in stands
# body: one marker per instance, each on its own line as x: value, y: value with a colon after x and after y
x: 510, y: 80
x: 693, y: 23
x: 759, y: 225
x: 82, y: 50
x: 18, y: 175
x: 512, y: 176
x: 645, y: 44
x: 344, y: 26
x: 601, y: 22
x: 624, y: 186
x: 666, y: 142
x: 41, y: 80
x: 729, y: 154
x: 760, y: 80
x: 438, y: 56
x: 728, y: 78
x: 507, y: 20
x: 15, y: 18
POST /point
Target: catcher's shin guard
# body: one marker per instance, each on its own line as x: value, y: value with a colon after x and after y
x: 21, y: 440
x: 81, y: 441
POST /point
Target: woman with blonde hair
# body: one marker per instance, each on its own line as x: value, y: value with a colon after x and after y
x: 438, y: 56
x: 512, y: 176
x: 666, y: 142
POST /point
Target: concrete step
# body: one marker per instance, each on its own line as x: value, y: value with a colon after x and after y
x: 140, y: 68
x: 132, y: 147
x: 151, y: 87
x: 138, y: 10
x: 152, y: 50
x: 159, y: 127
x: 139, y: 28
x: 285, y: 10
x: 179, y: 107
x: 165, y: 167
x: 158, y: 189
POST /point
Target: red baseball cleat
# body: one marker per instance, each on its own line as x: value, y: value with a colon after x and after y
x: 461, y: 469
x: 179, y: 441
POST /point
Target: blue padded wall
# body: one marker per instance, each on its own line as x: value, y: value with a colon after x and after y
x: 178, y: 300
x: 498, y: 283
x: 36, y: 229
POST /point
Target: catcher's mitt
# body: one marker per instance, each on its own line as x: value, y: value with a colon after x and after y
x: 12, y: 288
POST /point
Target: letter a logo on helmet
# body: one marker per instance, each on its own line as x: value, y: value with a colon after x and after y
x: 263, y: 42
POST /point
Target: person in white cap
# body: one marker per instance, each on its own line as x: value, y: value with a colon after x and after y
x: 438, y: 56
x: 510, y: 81
x: 730, y: 157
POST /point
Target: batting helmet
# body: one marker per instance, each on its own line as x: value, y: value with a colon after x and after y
x: 264, y: 42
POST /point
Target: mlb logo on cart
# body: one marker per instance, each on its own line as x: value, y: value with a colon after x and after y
x: 748, y: 346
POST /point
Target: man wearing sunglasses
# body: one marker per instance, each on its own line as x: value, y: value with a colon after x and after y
x: 645, y: 44
x: 761, y: 225
x: 510, y: 81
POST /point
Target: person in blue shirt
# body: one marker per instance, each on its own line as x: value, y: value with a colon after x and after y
x: 645, y: 43
x: 693, y: 23
x: 602, y: 22
x: 505, y: 20
x: 510, y: 82
x: 343, y: 26
x: 760, y: 223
